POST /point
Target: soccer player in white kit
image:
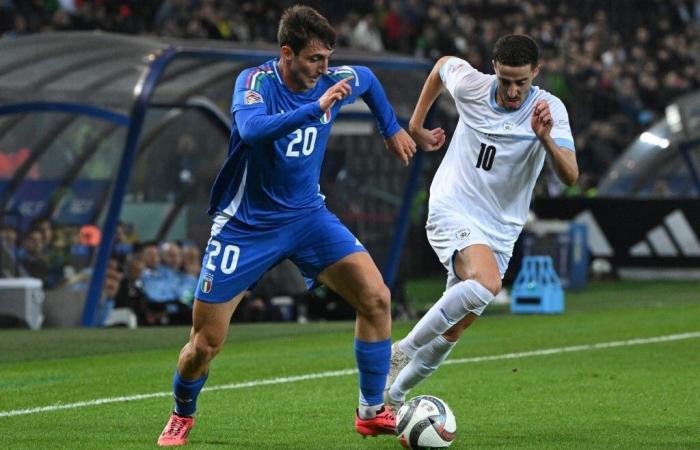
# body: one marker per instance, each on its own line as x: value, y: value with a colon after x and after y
x: 480, y: 195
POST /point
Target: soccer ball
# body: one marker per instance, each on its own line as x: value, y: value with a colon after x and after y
x: 424, y: 423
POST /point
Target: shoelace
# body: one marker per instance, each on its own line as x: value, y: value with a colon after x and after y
x: 390, y: 413
x: 176, y: 425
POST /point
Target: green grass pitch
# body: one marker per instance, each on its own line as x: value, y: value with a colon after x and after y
x: 633, y: 395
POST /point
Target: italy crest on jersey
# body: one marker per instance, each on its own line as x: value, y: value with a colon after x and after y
x: 326, y: 117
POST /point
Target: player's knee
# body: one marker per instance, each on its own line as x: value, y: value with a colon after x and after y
x: 206, y: 347
x: 375, y: 301
x: 474, y: 296
x: 492, y: 284
x: 488, y: 279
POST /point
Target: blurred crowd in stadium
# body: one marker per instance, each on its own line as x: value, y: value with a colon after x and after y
x: 155, y: 280
x: 615, y: 65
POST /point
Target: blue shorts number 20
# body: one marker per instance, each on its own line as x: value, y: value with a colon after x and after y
x: 237, y: 254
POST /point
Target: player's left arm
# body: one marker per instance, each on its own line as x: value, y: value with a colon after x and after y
x: 563, y: 158
x: 396, y: 139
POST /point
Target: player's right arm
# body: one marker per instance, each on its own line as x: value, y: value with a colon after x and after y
x: 254, y: 122
x: 428, y: 139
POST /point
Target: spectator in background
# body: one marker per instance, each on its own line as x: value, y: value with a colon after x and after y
x: 156, y: 281
x: 191, y: 266
x: 130, y: 293
x: 366, y: 35
x: 8, y: 237
x: 183, y: 283
x: 33, y: 257
x: 122, y: 246
x: 80, y: 254
x: 162, y: 287
x: 9, y: 264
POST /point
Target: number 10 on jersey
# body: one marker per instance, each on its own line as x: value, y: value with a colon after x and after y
x: 486, y: 156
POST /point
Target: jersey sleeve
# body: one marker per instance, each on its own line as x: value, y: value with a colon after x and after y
x: 250, y: 112
x: 250, y: 90
x: 366, y: 85
x: 462, y: 80
x: 561, y: 129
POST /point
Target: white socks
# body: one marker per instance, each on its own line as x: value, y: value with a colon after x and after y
x: 368, y: 412
x: 423, y: 364
x: 467, y: 296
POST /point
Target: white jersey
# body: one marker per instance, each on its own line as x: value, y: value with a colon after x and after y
x: 494, y: 158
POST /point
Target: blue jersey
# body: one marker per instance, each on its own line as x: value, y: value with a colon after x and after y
x: 278, y: 140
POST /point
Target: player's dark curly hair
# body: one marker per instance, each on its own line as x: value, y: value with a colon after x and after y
x: 516, y: 50
x: 300, y: 24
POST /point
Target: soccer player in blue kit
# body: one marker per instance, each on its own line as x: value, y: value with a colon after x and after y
x: 266, y: 206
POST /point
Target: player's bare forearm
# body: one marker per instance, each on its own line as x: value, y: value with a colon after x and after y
x: 428, y: 140
x: 563, y: 161
x: 430, y: 93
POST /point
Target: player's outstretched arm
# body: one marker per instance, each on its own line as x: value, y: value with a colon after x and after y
x: 563, y: 160
x: 428, y: 140
x: 396, y: 139
x: 255, y: 125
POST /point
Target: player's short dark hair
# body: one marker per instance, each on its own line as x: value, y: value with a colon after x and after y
x: 516, y: 50
x: 301, y: 24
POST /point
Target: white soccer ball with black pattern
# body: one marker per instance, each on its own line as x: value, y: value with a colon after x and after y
x: 424, y: 423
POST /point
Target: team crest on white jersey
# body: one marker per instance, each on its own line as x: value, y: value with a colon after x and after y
x: 463, y: 233
x: 207, y: 280
x: 508, y: 126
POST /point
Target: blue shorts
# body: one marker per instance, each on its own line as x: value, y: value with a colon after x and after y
x: 238, y: 254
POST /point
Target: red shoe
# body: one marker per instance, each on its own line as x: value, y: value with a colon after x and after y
x: 383, y: 423
x: 176, y: 431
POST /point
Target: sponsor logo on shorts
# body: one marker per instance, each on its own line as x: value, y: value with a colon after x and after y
x: 207, y: 280
x: 463, y: 233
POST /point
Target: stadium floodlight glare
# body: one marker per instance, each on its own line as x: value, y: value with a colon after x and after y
x: 673, y: 117
x: 683, y: 117
x: 652, y: 139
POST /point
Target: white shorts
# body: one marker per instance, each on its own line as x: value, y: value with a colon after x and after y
x: 450, y: 232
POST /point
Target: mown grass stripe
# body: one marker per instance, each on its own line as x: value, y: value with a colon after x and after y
x: 345, y: 372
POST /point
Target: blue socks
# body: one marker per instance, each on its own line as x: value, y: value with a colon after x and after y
x: 185, y: 393
x: 373, y: 359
